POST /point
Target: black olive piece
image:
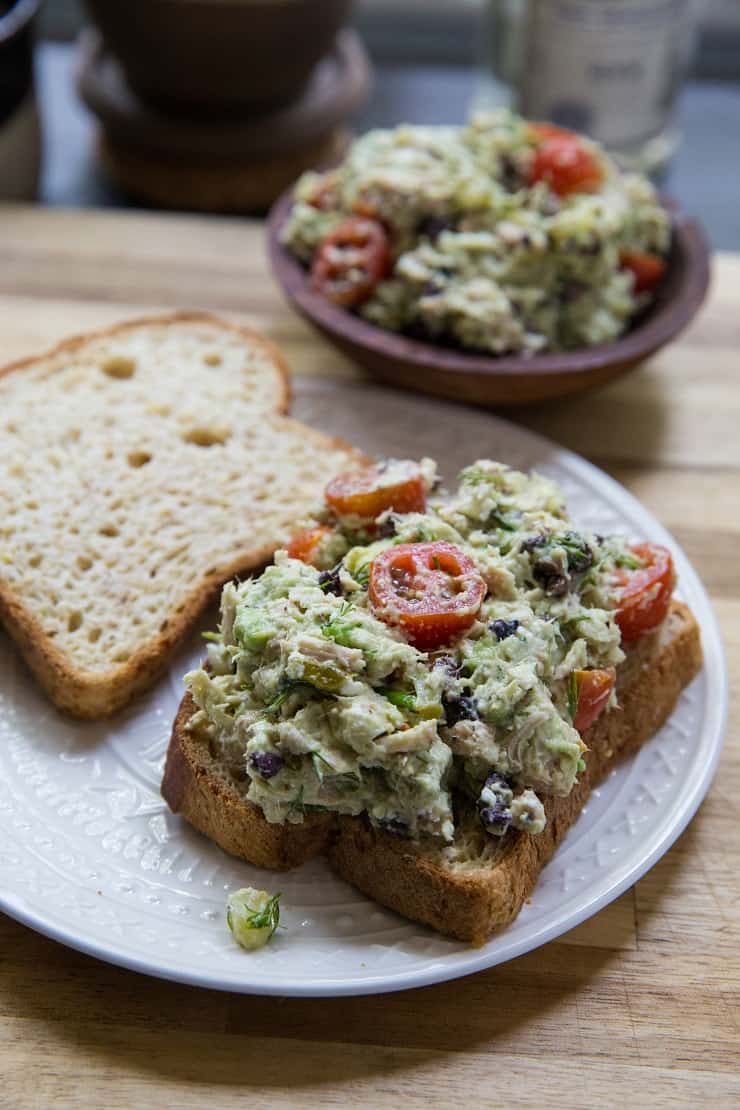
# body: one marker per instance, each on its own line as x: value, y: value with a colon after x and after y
x: 580, y: 560
x: 509, y: 175
x: 546, y: 567
x: 557, y: 586
x: 330, y: 583
x: 496, y: 781
x: 463, y: 708
x: 266, y: 764
x: 447, y: 663
x: 503, y: 629
x: 549, y: 574
x: 433, y: 226
x: 496, y: 818
x: 387, y: 529
x: 531, y: 542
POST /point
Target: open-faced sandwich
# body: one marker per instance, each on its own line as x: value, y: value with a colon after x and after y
x: 426, y: 686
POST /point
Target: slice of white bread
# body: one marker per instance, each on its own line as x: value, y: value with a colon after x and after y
x: 476, y: 885
x: 141, y: 467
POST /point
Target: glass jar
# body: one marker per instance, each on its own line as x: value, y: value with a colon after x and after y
x: 609, y: 68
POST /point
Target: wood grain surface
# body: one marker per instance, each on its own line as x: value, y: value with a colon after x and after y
x: 640, y: 1006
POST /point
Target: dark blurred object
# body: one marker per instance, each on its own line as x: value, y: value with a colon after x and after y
x: 20, y: 140
x: 218, y: 55
x: 237, y: 187
x: 230, y: 163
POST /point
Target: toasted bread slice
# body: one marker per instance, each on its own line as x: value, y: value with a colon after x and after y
x: 141, y: 467
x: 211, y: 796
x: 476, y: 885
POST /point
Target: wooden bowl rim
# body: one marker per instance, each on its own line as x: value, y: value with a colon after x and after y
x: 660, y: 325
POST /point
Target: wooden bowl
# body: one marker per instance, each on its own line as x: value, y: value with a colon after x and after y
x: 509, y: 379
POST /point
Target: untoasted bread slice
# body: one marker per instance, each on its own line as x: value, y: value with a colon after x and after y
x: 141, y: 467
x: 477, y: 885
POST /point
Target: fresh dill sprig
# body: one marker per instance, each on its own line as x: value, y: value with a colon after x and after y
x: 287, y: 687
x: 317, y: 759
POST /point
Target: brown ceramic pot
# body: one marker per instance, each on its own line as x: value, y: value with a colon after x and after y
x: 218, y: 55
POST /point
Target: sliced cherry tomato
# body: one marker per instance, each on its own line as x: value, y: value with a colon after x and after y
x: 566, y: 165
x: 644, y: 594
x: 431, y: 591
x: 304, y: 544
x: 350, y: 261
x: 368, y: 493
x: 591, y: 691
x: 647, y: 269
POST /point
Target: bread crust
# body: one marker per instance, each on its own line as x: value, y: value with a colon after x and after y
x: 210, y: 798
x: 412, y: 878
x: 73, y: 343
x: 86, y: 694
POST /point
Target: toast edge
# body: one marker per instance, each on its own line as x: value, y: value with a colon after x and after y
x: 216, y: 808
x: 471, y: 906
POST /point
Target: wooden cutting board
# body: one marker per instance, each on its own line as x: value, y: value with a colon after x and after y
x: 640, y: 1005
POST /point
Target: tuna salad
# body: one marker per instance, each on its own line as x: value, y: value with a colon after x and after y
x: 504, y: 236
x: 413, y: 651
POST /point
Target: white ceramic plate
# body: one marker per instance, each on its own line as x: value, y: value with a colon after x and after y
x: 90, y: 855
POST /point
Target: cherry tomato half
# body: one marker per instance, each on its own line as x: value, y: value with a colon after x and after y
x: 304, y: 544
x: 368, y: 493
x: 647, y: 269
x: 431, y: 591
x: 350, y: 261
x: 566, y: 165
x: 643, y: 595
x: 592, y: 692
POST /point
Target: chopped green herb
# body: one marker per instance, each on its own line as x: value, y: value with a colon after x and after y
x: 627, y: 561
x: 296, y: 806
x: 362, y: 575
x: 317, y: 759
x: 253, y: 924
x: 212, y: 637
x: 573, y: 696
x: 337, y: 628
x: 288, y: 687
x: 507, y: 522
